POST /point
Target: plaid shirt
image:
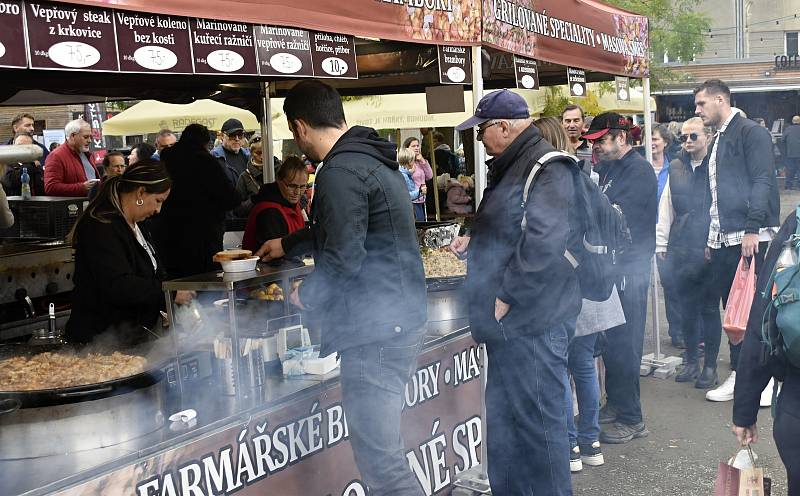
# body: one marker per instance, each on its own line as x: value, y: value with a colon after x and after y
x: 716, y: 238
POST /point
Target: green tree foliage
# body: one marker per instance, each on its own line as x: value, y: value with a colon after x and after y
x: 675, y: 29
x: 556, y: 100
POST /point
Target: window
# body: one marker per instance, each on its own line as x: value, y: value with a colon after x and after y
x: 791, y: 43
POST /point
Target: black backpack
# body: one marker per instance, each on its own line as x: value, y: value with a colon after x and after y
x: 601, y: 226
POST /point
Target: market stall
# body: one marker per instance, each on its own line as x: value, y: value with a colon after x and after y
x: 221, y: 419
x: 251, y: 428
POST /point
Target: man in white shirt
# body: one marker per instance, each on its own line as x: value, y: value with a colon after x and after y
x: 744, y: 206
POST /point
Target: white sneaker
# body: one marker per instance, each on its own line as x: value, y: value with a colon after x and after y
x: 766, y: 394
x: 575, y: 463
x: 592, y: 455
x: 725, y: 391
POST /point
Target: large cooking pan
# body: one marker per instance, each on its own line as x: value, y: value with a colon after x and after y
x: 66, y: 420
x: 13, y: 400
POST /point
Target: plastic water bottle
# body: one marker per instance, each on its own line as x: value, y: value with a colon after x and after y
x: 26, y: 184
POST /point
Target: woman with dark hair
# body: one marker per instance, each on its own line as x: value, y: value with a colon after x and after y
x: 190, y: 228
x: 276, y: 208
x: 422, y: 174
x: 141, y: 152
x: 117, y: 272
x: 662, y: 139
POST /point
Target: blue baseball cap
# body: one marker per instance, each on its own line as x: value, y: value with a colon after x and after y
x: 503, y: 104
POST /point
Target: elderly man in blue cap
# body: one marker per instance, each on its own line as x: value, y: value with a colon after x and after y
x: 523, y: 299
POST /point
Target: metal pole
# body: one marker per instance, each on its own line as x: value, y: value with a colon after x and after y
x: 478, y: 150
x: 476, y: 480
x: 266, y: 134
x: 648, y: 139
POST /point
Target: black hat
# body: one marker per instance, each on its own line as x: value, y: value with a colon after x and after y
x: 604, y: 123
x: 232, y: 126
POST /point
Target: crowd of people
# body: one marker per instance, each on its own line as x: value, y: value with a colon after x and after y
x: 708, y: 199
x: 701, y: 206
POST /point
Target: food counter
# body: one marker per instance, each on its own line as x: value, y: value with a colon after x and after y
x: 256, y: 431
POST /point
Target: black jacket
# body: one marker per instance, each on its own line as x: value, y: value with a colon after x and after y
x: 527, y: 271
x: 631, y: 183
x: 747, y: 192
x: 116, y: 288
x: 791, y: 141
x: 755, y: 366
x: 690, y: 201
x: 368, y: 284
x: 12, y: 179
x: 189, y: 230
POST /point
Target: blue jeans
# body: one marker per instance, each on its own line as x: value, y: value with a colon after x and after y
x: 373, y: 379
x: 584, y: 373
x: 527, y: 442
x: 419, y: 211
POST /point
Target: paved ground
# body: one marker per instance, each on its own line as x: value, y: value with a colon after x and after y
x: 689, y: 436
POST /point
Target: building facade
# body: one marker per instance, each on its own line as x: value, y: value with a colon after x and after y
x: 753, y: 46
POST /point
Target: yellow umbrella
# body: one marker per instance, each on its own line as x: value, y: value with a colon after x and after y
x: 151, y: 116
x: 394, y: 111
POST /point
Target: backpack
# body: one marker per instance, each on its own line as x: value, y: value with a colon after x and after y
x: 601, y: 226
x: 784, y: 283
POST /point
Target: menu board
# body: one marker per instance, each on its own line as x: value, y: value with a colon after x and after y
x: 333, y: 55
x: 153, y: 43
x: 527, y: 73
x: 576, y: 80
x: 12, y: 35
x: 455, y: 64
x: 223, y: 47
x: 49, y: 35
x: 283, y: 51
x: 70, y: 37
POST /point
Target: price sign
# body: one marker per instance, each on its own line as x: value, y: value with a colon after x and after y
x: 623, y: 89
x: 576, y: 80
x: 153, y: 43
x: 333, y: 55
x: 527, y: 73
x: 223, y: 47
x: 12, y: 35
x: 455, y: 65
x: 70, y: 37
x: 283, y: 51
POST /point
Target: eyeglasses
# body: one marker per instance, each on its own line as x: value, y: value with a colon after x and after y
x: 236, y: 136
x: 483, y: 129
x: 256, y: 139
x: 686, y: 137
x: 296, y: 187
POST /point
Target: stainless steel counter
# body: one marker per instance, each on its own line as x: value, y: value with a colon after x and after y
x: 40, y: 476
x: 230, y: 281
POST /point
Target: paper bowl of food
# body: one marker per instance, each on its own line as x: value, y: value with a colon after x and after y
x: 236, y: 260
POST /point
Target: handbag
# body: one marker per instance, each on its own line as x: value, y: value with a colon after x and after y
x: 598, y: 316
x: 746, y: 481
x: 740, y: 299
